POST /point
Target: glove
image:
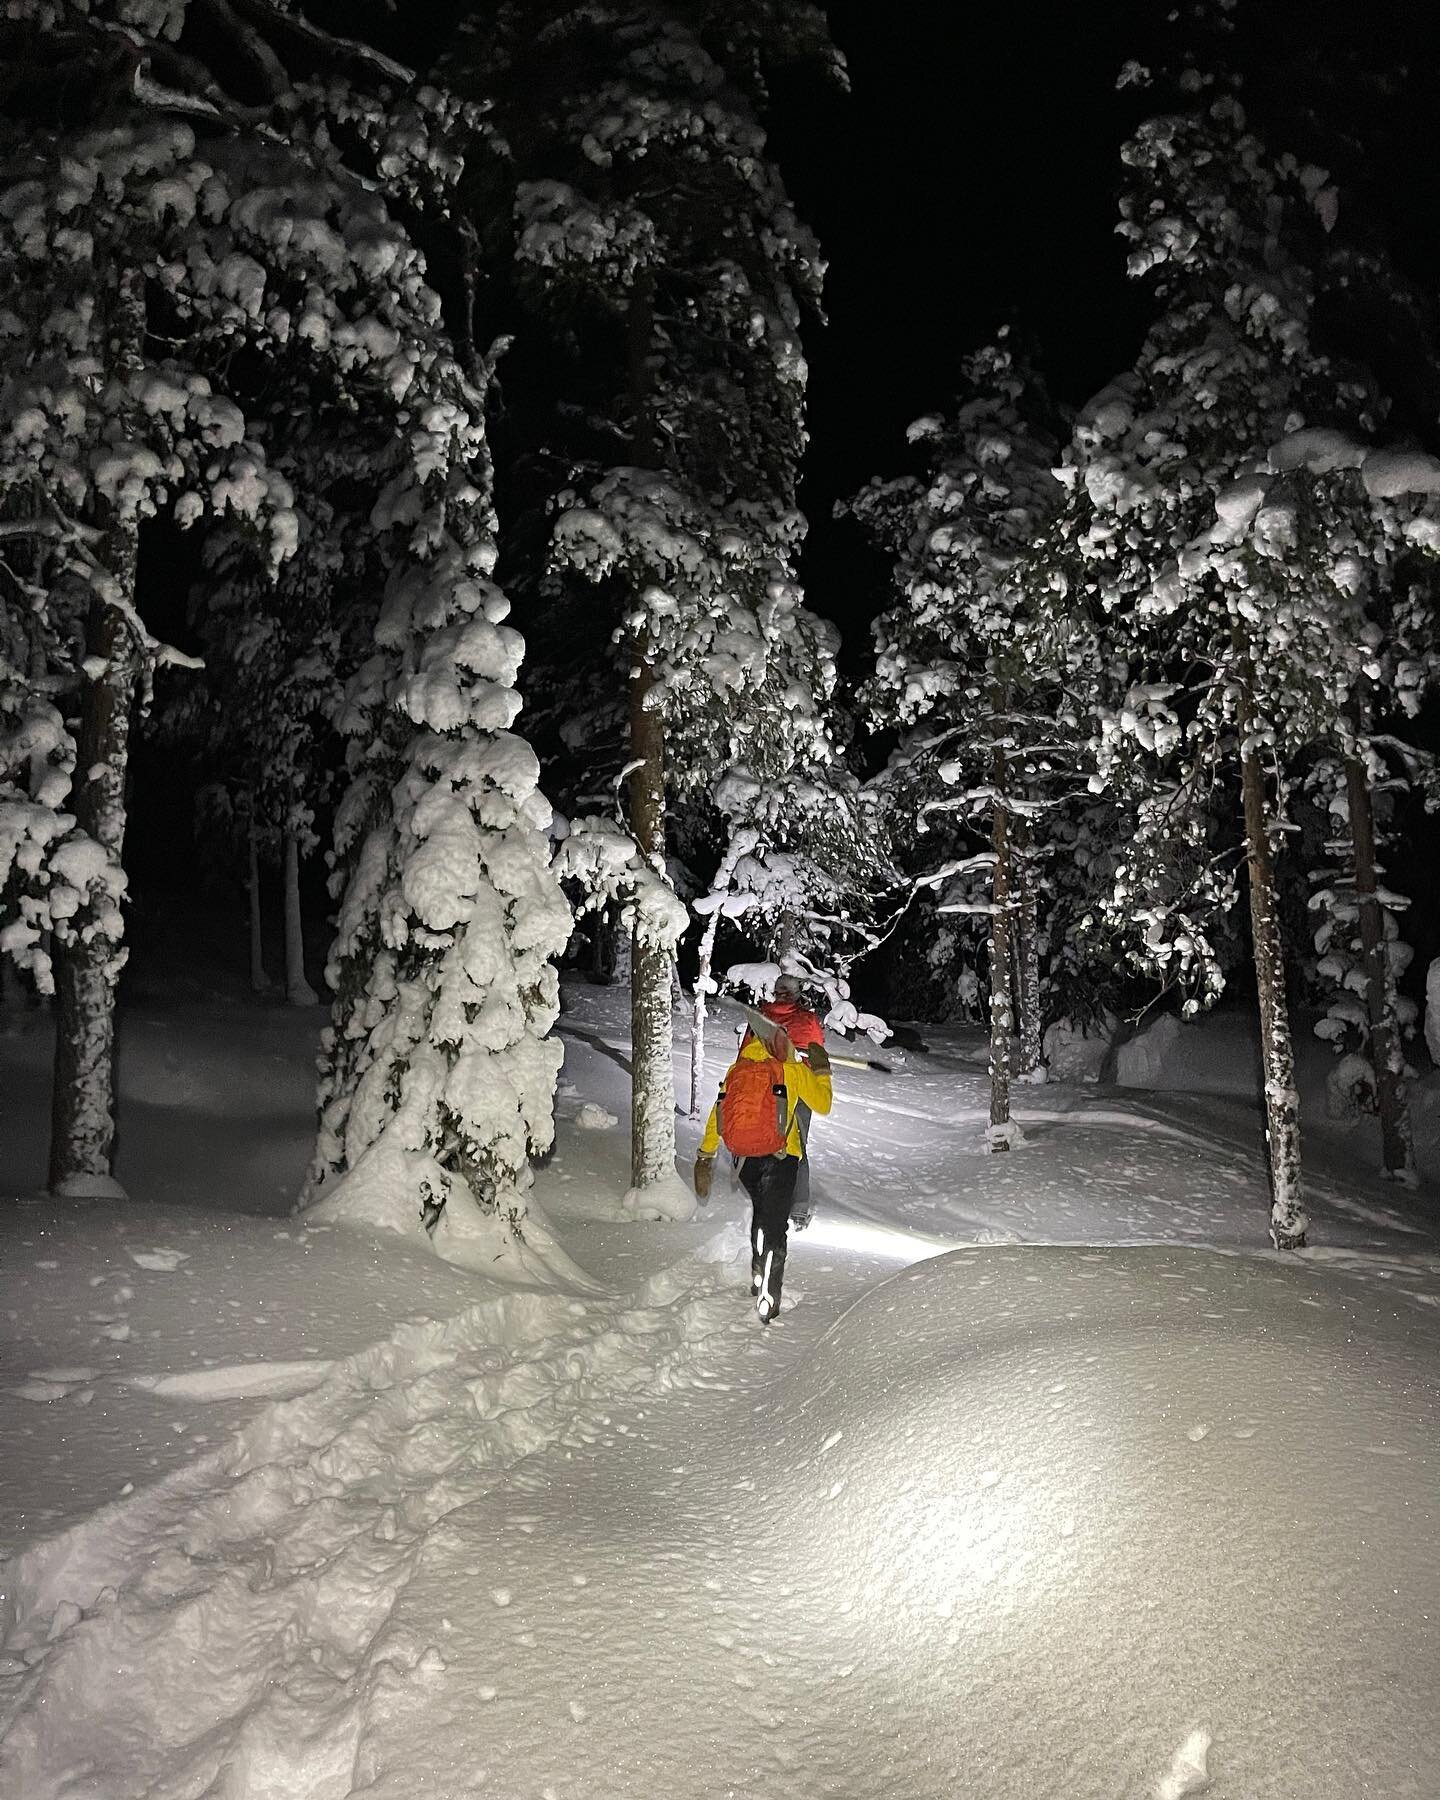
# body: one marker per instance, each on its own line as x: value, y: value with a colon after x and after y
x: 704, y: 1175
x: 818, y: 1058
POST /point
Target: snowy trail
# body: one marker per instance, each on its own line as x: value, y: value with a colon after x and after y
x: 256, y: 1588
x: 565, y: 1545
x: 652, y: 1639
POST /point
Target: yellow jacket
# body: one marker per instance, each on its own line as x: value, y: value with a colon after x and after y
x: 803, y: 1087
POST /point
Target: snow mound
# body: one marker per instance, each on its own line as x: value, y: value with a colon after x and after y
x: 89, y: 1187
x: 1187, y: 1774
x: 1074, y: 1054
x: 1105, y: 1495
x: 592, y: 1117
x: 1143, y: 1061
x: 668, y: 1199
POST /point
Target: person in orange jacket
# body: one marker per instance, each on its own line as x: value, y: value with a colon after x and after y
x: 769, y: 1179
x: 804, y: 1030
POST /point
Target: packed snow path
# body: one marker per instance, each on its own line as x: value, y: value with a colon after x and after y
x: 1006, y: 1522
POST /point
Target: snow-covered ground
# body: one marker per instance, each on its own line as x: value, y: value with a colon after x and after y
x: 1050, y: 1480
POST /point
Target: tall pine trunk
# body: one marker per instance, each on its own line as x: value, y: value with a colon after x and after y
x: 601, y: 918
x: 1002, y: 1016
x: 699, y: 1012
x: 1386, y: 1054
x: 652, y: 1034
x: 652, y: 1024
x: 87, y: 975
x: 259, y: 980
x: 1026, y: 950
x: 298, y: 990
x: 1288, y: 1223
x: 738, y: 847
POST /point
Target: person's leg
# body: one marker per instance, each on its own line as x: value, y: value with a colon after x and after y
x: 773, y: 1193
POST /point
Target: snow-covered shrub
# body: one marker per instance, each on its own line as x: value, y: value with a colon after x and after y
x: 1077, y: 1052
x: 1350, y: 1087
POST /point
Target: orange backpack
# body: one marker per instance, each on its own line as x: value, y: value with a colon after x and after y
x: 754, y: 1108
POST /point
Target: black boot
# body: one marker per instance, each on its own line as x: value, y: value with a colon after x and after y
x: 767, y: 1302
x: 757, y: 1263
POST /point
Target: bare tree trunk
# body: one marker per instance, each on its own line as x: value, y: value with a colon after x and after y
x: 699, y: 1011
x: 298, y: 990
x: 1288, y: 1223
x: 1002, y: 1017
x: 652, y: 1029
x: 1026, y: 950
x: 597, y: 945
x: 652, y: 1023
x: 1386, y: 1054
x: 82, y: 1119
x: 740, y: 845
x: 622, y: 966
x: 259, y: 980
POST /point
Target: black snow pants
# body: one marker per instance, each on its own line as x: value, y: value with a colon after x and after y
x: 770, y: 1183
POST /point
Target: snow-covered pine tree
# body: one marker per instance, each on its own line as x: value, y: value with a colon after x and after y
x: 1369, y: 527
x: 806, y: 879
x: 655, y: 243
x: 979, y: 661
x: 1359, y: 952
x: 1193, y: 518
x: 105, y: 419
x: 438, y: 1073
x: 191, y: 252
x: 276, y: 647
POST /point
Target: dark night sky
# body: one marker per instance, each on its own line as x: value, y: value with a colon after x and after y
x: 969, y: 179
x: 966, y: 180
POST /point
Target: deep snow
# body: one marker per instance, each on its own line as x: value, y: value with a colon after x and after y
x: 300, y: 1512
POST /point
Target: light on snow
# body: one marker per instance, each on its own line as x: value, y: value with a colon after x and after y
x: 861, y: 1238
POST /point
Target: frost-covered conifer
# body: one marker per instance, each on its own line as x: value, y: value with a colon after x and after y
x: 438, y: 1073
x: 166, y: 254
x: 276, y: 649
x: 1369, y: 511
x: 981, y: 664
x: 805, y: 879
x: 656, y: 252
x: 1201, y: 519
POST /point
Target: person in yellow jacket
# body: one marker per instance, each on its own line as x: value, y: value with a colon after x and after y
x: 769, y: 1180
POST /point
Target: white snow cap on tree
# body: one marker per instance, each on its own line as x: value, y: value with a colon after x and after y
x: 440, y: 1075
